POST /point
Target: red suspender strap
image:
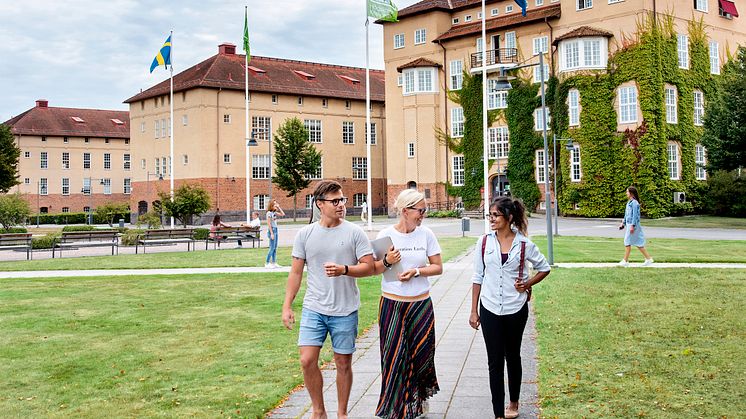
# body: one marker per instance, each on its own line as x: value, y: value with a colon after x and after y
x: 484, y: 245
x: 523, y: 261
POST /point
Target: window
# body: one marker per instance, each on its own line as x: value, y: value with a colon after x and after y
x: 127, y: 186
x: 673, y: 161
x: 65, y: 160
x: 572, y: 54
x: 261, y: 127
x: 324, y: 103
x: 409, y: 82
x: 573, y: 106
x: 539, y: 3
x: 260, y: 166
x: 537, y: 73
x: 541, y: 45
x: 300, y: 100
x: 157, y: 128
x: 65, y: 140
x: 457, y: 122
x: 583, y: 53
x: 699, y: 108
x: 425, y: 80
x: 43, y: 162
x: 510, y: 42
x: 157, y: 166
x: 348, y: 104
x: 539, y: 119
x: 86, y: 186
x: 682, y: 46
x: 457, y: 74
x: 142, y: 126
x: 227, y: 118
x: 467, y: 18
x: 86, y: 140
x: 509, y: 9
x: 309, y: 200
x: 65, y: 209
x: 592, y: 52
x: 26, y: 181
x: 43, y: 139
x: 313, y: 126
x: 107, y: 161
x: 494, y: 12
x: 143, y: 164
x: 107, y: 186
x: 399, y: 41
x: 372, y: 134
x: 714, y: 58
x: 499, y: 142
x: 274, y: 99
x: 399, y: 80
x: 165, y: 165
x: 359, y: 167
x: 165, y: 127
x: 700, y: 5
x: 43, y: 190
x: 318, y: 173
x: 106, y: 140
x: 627, y: 105
x: 260, y: 202
x: 86, y: 160
x: 348, y: 132
x: 185, y: 120
x: 540, y: 163
x: 457, y: 169
x: 65, y: 186
x: 575, y: 173
x: 419, y: 36
x: 700, y: 162
x: 410, y: 150
x: 358, y: 199
x: 27, y: 154
x: 86, y: 209
x: 126, y: 141
x: 226, y: 158
x: 584, y: 4
x: 184, y: 159
x: 672, y: 111
x: 454, y: 20
x: 496, y: 99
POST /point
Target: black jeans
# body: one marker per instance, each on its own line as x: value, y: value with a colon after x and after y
x: 503, y: 335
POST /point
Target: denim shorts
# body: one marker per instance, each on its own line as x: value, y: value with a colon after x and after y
x: 315, y: 326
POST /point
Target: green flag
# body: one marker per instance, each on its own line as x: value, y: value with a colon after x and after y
x: 246, y: 46
x: 383, y: 10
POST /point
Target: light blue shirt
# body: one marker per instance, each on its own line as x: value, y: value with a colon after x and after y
x: 498, y: 294
x: 632, y: 213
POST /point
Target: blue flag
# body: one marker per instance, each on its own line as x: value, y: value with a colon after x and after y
x: 523, y: 5
x: 164, y: 55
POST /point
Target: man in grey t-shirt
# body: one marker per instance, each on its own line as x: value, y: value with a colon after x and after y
x: 336, y: 252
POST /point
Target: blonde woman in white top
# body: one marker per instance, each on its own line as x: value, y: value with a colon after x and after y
x: 406, y: 318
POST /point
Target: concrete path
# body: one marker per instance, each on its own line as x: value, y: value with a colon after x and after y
x: 460, y: 361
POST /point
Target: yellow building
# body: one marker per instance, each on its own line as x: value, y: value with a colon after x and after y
x: 209, y: 130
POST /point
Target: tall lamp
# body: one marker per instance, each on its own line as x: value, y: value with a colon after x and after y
x: 89, y: 191
x: 250, y: 142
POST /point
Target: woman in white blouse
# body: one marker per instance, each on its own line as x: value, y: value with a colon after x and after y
x: 500, y: 292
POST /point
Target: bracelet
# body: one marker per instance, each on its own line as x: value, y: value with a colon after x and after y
x: 385, y: 262
x: 347, y: 269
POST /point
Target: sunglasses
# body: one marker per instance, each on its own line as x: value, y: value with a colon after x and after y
x: 421, y: 210
x: 335, y: 201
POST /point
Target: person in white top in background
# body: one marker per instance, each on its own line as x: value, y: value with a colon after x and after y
x: 503, y: 296
x: 406, y: 318
x: 364, y: 212
x: 255, y: 220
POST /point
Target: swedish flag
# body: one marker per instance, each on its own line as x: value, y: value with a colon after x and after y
x: 164, y: 55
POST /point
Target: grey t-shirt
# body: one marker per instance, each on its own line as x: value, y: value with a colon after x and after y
x: 344, y: 244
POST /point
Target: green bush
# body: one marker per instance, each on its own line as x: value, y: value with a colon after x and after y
x: 129, y: 237
x: 444, y: 214
x: 726, y: 194
x: 61, y: 218
x: 13, y: 230
x: 151, y: 219
x: 78, y: 228
x: 201, y: 233
x: 45, y: 242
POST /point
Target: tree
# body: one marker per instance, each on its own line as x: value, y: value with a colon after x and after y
x: 13, y: 210
x: 725, y: 118
x: 9, y: 154
x: 294, y: 160
x: 111, y: 210
x: 189, y: 200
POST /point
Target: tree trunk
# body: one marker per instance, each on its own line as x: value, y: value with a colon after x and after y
x: 295, y: 206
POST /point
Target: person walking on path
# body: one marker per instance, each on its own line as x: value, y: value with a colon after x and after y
x: 274, y: 211
x: 406, y: 318
x: 633, y: 234
x: 364, y: 212
x: 500, y: 293
x: 336, y: 252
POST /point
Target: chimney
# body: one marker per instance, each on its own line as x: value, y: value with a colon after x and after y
x: 227, y: 48
x: 42, y: 103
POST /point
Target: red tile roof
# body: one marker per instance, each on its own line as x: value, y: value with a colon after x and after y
x: 52, y: 121
x: 502, y: 22
x: 581, y: 32
x: 420, y: 62
x: 225, y: 70
x: 447, y: 5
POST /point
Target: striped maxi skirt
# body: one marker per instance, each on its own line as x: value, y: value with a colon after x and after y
x: 407, y: 331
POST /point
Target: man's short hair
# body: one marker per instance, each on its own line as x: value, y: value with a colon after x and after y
x: 325, y: 187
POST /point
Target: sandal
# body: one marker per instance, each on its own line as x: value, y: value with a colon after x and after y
x: 510, y: 413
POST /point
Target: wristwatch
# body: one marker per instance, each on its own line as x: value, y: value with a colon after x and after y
x: 416, y: 272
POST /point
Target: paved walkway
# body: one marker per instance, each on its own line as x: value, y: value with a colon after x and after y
x: 460, y: 360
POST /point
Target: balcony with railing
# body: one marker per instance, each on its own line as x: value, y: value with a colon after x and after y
x: 494, y: 59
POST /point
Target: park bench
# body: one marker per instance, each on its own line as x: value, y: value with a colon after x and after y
x: 94, y: 238
x: 244, y: 233
x: 17, y: 241
x: 165, y: 236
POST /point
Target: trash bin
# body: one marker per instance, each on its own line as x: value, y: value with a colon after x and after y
x: 465, y: 225
x: 121, y: 223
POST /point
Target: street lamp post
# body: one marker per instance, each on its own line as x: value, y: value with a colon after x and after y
x: 568, y: 146
x: 250, y: 142
x: 89, y: 191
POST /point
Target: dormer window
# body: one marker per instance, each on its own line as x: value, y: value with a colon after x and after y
x: 78, y: 119
x: 583, y: 53
x: 256, y: 70
x: 117, y: 121
x: 304, y: 75
x: 350, y: 79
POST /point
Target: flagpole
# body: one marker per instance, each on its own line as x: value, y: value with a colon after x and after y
x: 248, y: 138
x: 171, y: 128
x: 368, y: 130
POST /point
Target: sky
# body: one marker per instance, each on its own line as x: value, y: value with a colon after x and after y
x: 96, y: 54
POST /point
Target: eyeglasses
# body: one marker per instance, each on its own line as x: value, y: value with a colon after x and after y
x: 335, y: 201
x: 421, y: 210
x: 495, y: 215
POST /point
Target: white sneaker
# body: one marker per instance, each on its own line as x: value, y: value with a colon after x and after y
x: 268, y: 266
x: 277, y: 265
x: 648, y: 262
x: 623, y: 263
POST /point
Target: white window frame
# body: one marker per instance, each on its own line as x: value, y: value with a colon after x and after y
x: 359, y: 168
x: 701, y: 6
x: 86, y: 160
x: 583, y: 5
x: 457, y: 170
x: 499, y: 142
x: 184, y: 159
x: 142, y: 127
x: 457, y: 74
x: 157, y: 128
x: 573, y: 107
x: 127, y: 186
x: 26, y: 154
x: 184, y: 120
x: 674, y: 168
x: 420, y: 36
x: 44, y: 160
x: 584, y: 53
x: 65, y: 160
x: 700, y: 160
x: 315, y: 130
x: 420, y: 80
x: 227, y: 118
x: 359, y: 199
x: 127, y: 161
x: 539, y: 3
x: 107, y: 161
x: 226, y: 158
x: 65, y: 186
x: 576, y: 170
x: 467, y: 18
x: 627, y: 104
x: 410, y: 150
x: 348, y: 132
x: 398, y: 41
x: 699, y: 107
x: 318, y: 173
x: 261, y: 127
x: 510, y: 42
x: 538, y: 119
x: 260, y: 202
x: 672, y: 105
x: 457, y: 122
x: 494, y: 12
x: 260, y: 166
x: 107, y: 185
x: 43, y: 186
x: 541, y: 45
x: 496, y: 99
x: 509, y: 8
x: 373, y: 136
x: 682, y: 49
x: 539, y: 163
x: 309, y: 200
x: 714, y: 58
x: 537, y: 75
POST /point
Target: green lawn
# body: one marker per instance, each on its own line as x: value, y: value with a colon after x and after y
x: 667, y: 344
x: 697, y: 221
x: 163, y: 346
x: 600, y: 249
x: 451, y: 247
